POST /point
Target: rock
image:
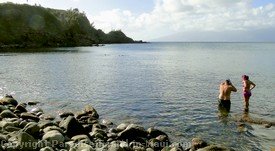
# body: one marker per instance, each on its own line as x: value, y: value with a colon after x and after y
x: 43, y: 124
x: 132, y: 132
x: 124, y: 145
x: 176, y: 146
x: 65, y: 114
x: 46, y: 149
x: 33, y: 129
x: 7, y: 114
x: 8, y: 99
x: 107, y: 122
x: 21, y: 108
x: 47, y: 117
x: 268, y: 125
x: 26, y: 142
x: 163, y: 138
x: 115, y: 146
x: 2, y: 108
x: 214, y: 148
x: 29, y: 116
x: 82, y: 147
x: 36, y: 110
x: 12, y: 129
x: 50, y: 128
x: 151, y: 149
x: 153, y: 133
x: 90, y: 110
x: 72, y: 127
x: 155, y: 144
x: 121, y: 127
x: 33, y: 103
x: 197, y: 143
x: 78, y: 138
x: 54, y: 137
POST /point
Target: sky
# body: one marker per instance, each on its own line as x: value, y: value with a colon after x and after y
x: 177, y: 20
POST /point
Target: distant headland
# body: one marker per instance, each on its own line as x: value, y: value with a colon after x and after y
x: 26, y: 26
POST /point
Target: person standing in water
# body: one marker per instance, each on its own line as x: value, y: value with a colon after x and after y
x: 247, y: 87
x: 226, y: 88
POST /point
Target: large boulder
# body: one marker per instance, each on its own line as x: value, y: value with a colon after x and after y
x: 132, y: 132
x: 72, y: 127
x: 22, y: 141
x: 8, y: 99
x: 153, y: 133
x: 7, y: 114
x: 54, y: 137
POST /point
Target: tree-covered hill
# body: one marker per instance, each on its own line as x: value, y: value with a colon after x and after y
x: 36, y: 26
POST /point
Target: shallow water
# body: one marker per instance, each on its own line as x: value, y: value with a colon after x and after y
x: 172, y: 86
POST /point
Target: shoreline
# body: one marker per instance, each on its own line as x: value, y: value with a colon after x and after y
x: 35, y: 130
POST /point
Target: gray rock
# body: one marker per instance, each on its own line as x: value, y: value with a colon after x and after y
x: 47, y: 117
x: 7, y: 114
x: 8, y: 99
x: 2, y: 108
x: 197, y: 143
x: 214, y: 148
x: 54, y: 137
x: 43, y: 124
x: 33, y: 102
x: 82, y: 147
x: 153, y: 133
x: 72, y: 127
x: 27, y: 116
x: 121, y: 127
x: 107, y: 122
x: 46, y: 149
x: 65, y: 114
x: 91, y: 110
x: 132, y: 132
x: 12, y: 129
x: 82, y: 138
x: 36, y: 110
x: 124, y: 145
x: 21, y: 108
x: 50, y: 128
x: 115, y: 146
x: 32, y: 128
x: 26, y: 142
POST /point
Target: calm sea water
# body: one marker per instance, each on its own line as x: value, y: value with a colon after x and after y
x: 171, y: 86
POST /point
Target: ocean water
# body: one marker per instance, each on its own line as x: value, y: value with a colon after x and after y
x: 171, y: 86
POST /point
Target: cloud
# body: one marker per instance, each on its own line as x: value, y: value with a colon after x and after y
x: 172, y: 16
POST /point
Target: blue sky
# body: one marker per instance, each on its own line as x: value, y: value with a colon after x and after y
x: 157, y: 19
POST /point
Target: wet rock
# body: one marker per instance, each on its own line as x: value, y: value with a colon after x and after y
x: 153, y: 133
x: 163, y: 138
x: 132, y: 132
x: 78, y: 138
x: 124, y: 145
x: 12, y: 128
x: 46, y: 149
x: 36, y: 110
x: 155, y: 144
x: 65, y: 114
x: 50, y: 128
x: 214, y: 148
x: 33, y: 129
x: 107, y: 122
x: 115, y: 146
x: 267, y: 125
x: 25, y: 142
x: 43, y: 124
x: 82, y: 147
x: 72, y: 127
x: 47, y: 117
x: 8, y: 99
x: 33, y: 103
x: 121, y: 127
x: 90, y: 110
x: 2, y: 108
x: 54, y: 137
x: 29, y: 116
x: 21, y: 108
x: 7, y: 114
x: 197, y: 143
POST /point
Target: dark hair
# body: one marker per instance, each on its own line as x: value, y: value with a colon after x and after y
x: 245, y: 77
x: 228, y: 81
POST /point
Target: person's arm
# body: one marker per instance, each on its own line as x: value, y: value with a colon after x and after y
x: 253, y: 85
x: 233, y: 88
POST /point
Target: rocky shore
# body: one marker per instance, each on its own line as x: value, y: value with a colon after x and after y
x: 26, y: 130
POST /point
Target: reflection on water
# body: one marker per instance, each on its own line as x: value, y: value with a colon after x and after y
x: 172, y: 86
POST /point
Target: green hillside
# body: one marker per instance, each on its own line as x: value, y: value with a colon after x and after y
x: 36, y: 26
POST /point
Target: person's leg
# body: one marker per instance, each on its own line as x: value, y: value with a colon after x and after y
x: 246, y: 103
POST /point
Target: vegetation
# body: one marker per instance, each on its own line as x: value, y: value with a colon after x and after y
x: 36, y: 26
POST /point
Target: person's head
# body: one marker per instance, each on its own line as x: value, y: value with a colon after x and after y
x: 245, y: 77
x: 228, y: 82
